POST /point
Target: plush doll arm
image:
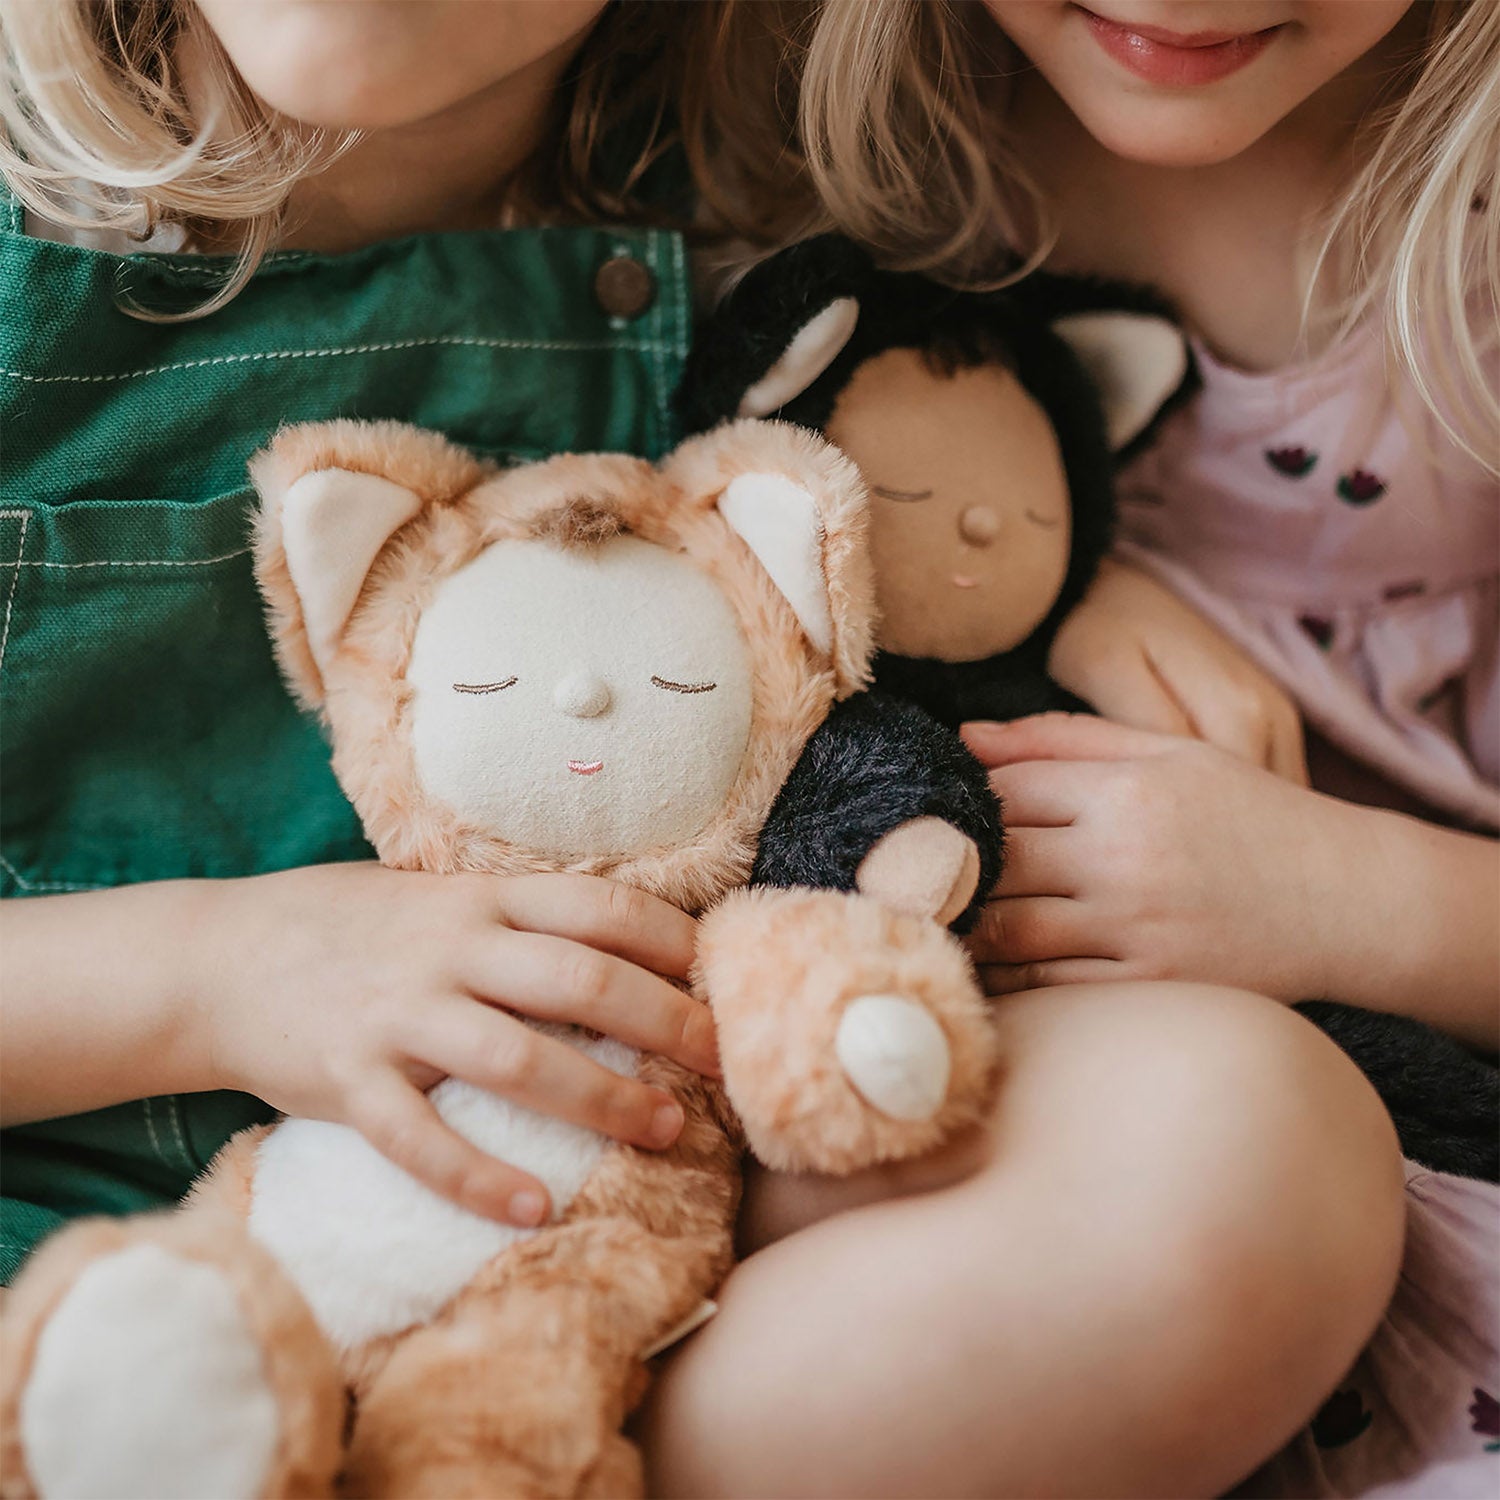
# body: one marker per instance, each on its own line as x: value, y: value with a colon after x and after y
x: 886, y: 801
x: 849, y: 1033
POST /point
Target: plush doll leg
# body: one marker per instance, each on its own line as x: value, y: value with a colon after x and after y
x: 520, y: 1387
x: 166, y: 1356
x: 850, y: 1033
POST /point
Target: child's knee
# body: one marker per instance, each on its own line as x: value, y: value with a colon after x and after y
x: 1241, y: 1184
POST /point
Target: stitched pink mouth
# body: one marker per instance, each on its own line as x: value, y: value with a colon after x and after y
x: 585, y: 767
x: 963, y: 581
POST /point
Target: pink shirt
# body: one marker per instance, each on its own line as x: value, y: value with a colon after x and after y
x: 1351, y: 549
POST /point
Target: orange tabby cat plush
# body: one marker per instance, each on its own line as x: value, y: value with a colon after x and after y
x: 586, y: 664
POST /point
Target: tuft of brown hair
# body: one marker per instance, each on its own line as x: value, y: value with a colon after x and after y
x: 579, y: 523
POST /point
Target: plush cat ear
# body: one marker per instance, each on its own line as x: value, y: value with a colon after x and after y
x: 798, y: 506
x: 776, y: 330
x: 1137, y: 361
x: 333, y: 494
x: 812, y: 349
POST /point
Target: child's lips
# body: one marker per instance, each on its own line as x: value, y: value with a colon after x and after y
x: 585, y: 767
x: 1177, y: 59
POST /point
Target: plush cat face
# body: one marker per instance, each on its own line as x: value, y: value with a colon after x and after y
x: 986, y: 424
x: 581, y: 700
x: 588, y: 663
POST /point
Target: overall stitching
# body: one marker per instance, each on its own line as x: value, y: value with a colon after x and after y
x: 143, y: 562
x: 173, y: 1104
x: 24, y: 517
x: 151, y: 1129
x: 43, y: 885
x: 564, y: 346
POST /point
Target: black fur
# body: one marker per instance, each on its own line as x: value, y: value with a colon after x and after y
x: 1009, y: 686
x: 874, y: 764
x: 1445, y: 1101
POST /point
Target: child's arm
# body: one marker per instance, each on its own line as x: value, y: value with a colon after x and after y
x: 1133, y: 855
x: 342, y: 992
x: 1140, y: 656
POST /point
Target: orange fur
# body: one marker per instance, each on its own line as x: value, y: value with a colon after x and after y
x: 299, y: 1368
x: 778, y: 968
x: 520, y: 1384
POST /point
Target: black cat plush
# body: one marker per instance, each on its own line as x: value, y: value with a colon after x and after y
x: 987, y: 426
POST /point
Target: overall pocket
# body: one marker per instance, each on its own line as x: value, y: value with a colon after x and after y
x: 144, y: 732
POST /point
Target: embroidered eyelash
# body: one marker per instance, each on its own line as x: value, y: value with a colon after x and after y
x: 484, y: 687
x: 683, y: 687
x: 905, y: 496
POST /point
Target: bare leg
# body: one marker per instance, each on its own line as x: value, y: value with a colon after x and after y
x: 1185, y: 1220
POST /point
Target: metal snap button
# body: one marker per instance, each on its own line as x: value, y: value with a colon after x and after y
x: 624, y: 287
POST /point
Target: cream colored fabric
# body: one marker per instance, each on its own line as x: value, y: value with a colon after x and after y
x: 813, y: 348
x: 1134, y: 359
x: 333, y: 522
x: 580, y: 701
x: 779, y: 522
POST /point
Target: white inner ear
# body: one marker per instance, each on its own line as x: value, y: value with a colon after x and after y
x: 813, y: 348
x: 333, y: 522
x: 779, y: 522
x: 1135, y: 359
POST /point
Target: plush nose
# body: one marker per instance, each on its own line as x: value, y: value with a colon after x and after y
x: 581, y: 695
x: 979, y: 525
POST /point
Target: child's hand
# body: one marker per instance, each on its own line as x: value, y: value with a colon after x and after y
x: 342, y: 992
x: 1142, y: 657
x: 1133, y: 855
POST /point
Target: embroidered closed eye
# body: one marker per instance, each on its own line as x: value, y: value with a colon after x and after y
x: 485, y: 687
x: 1051, y: 523
x: 907, y: 497
x: 683, y: 687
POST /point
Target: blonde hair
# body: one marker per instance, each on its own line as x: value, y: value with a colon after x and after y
x: 97, y: 128
x: 906, y: 156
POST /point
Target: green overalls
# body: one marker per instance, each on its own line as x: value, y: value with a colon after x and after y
x: 144, y: 734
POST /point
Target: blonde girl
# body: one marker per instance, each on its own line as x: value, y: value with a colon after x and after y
x: 200, y: 939
x: 1313, y: 184
x: 1137, y: 1282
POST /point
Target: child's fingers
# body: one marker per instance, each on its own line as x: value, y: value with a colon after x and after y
x: 483, y: 1046
x: 1029, y: 929
x: 604, y: 914
x: 401, y: 1124
x: 553, y: 979
x: 1011, y: 979
x: 1060, y: 737
x: 1038, y: 862
x: 1037, y: 794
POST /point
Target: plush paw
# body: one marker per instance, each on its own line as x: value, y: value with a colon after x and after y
x: 895, y: 1054
x: 146, y: 1381
x: 850, y: 1033
x: 924, y: 867
x: 156, y: 1358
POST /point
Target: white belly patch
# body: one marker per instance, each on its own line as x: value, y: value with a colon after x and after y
x: 370, y: 1248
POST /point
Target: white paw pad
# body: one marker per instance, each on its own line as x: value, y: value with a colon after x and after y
x: 147, y: 1383
x: 895, y: 1054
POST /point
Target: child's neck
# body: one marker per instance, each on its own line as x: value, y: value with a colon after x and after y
x: 446, y: 172
x: 1230, y: 243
